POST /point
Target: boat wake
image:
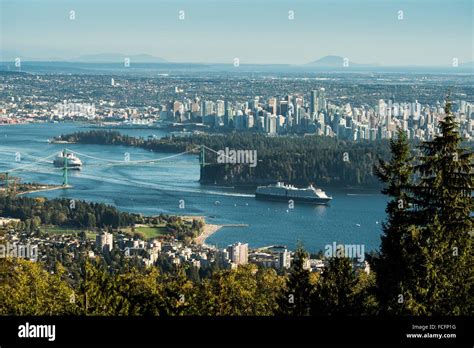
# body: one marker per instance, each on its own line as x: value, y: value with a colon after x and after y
x: 162, y: 187
x: 361, y: 194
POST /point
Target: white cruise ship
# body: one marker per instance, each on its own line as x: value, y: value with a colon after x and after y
x: 282, y: 192
x: 73, y: 162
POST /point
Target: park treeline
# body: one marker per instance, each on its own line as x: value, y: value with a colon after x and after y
x: 64, y: 212
x: 34, y: 212
x: 295, y: 160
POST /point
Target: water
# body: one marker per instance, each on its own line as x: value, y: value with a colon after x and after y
x: 159, y: 187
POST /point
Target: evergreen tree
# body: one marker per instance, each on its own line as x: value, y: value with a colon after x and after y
x: 392, y: 265
x: 335, y: 291
x: 443, y: 205
x: 425, y: 263
x: 296, y: 299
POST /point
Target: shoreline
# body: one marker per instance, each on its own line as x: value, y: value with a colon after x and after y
x: 208, y: 230
x: 42, y: 190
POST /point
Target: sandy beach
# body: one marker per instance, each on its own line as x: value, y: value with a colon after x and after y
x: 208, y: 230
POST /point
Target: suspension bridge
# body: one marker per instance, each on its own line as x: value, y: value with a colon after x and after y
x: 44, y: 164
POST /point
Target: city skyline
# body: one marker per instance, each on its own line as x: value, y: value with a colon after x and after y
x: 263, y: 32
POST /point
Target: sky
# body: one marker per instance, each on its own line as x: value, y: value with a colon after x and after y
x: 431, y: 32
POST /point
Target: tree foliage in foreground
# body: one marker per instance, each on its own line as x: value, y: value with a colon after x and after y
x: 27, y: 289
x: 296, y: 298
x: 425, y: 266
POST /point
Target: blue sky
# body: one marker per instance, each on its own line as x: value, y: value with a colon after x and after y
x: 432, y: 32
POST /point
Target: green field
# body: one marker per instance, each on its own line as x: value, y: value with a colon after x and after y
x: 147, y: 231
x: 67, y: 230
x: 150, y: 231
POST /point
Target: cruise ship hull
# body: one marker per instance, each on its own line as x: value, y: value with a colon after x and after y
x: 281, y: 198
x: 59, y: 163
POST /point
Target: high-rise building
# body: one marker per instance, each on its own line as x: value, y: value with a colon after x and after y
x: 283, y: 108
x: 284, y: 260
x: 104, y: 241
x: 208, y: 108
x: 238, y: 253
x: 298, y: 101
x: 313, y: 106
x: 250, y: 121
x: 178, y: 107
x: 260, y: 123
x: 195, y: 106
x: 255, y: 103
x: 291, y: 114
x: 220, y: 108
x: 272, y: 106
x: 381, y: 108
x: 239, y: 120
x: 270, y: 123
x: 321, y: 100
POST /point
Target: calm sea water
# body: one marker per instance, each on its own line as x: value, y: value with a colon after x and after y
x: 352, y: 217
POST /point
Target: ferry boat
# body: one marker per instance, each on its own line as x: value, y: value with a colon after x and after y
x: 282, y: 192
x: 73, y: 162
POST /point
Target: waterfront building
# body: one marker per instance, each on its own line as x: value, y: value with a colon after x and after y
x: 284, y: 260
x: 238, y: 253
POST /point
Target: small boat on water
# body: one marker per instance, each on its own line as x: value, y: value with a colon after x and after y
x: 73, y: 162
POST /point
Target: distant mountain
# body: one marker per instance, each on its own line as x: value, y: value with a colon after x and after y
x: 6, y: 55
x: 117, y: 57
x: 335, y: 62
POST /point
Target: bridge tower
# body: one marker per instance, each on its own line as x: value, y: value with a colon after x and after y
x: 9, y: 182
x: 202, y: 157
x: 6, y: 181
x: 65, y: 169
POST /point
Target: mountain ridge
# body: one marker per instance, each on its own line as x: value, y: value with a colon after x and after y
x: 333, y: 61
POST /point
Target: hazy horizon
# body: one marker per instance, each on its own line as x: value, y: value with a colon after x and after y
x: 427, y: 33
x: 86, y: 60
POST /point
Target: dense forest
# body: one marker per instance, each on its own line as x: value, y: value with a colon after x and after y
x: 295, y: 160
x: 300, y: 161
x: 64, y: 212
